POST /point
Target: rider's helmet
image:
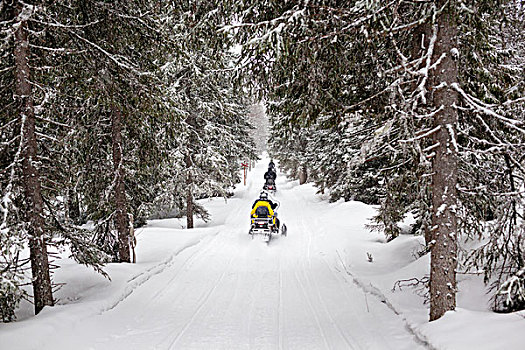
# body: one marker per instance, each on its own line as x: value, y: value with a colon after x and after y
x: 263, y: 195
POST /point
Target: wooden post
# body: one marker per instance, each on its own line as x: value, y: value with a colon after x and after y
x: 244, y: 165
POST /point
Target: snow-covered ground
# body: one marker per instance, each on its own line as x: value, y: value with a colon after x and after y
x: 214, y: 287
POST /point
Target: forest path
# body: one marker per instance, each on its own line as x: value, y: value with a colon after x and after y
x: 227, y: 291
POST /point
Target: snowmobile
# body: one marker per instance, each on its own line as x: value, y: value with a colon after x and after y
x: 269, y: 185
x: 269, y: 180
x: 264, y: 220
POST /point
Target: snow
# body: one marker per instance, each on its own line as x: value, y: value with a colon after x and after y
x: 214, y: 287
x: 441, y: 209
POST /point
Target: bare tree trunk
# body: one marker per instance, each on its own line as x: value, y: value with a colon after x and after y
x: 192, y: 121
x: 294, y: 170
x: 73, y: 206
x: 43, y: 295
x: 512, y: 189
x: 444, y: 197
x: 189, y: 209
x: 121, y: 209
x: 303, y: 174
x: 189, y: 195
x: 133, y: 239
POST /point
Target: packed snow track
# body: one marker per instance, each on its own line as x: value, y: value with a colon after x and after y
x: 220, y: 289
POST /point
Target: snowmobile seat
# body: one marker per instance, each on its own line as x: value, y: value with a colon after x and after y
x: 262, y: 212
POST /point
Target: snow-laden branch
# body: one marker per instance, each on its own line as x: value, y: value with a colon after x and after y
x: 488, y: 129
x: 53, y: 49
x: 352, y: 25
x: 276, y: 30
x: 408, y: 26
x: 9, y: 142
x: 514, y: 289
x: 430, y: 115
x: 6, y: 23
x: 52, y: 121
x: 8, y: 124
x: 44, y: 136
x: 66, y: 26
x: 112, y: 57
x: 431, y: 147
x: 510, y: 102
x: 6, y: 197
x: 285, y: 17
x: 425, y: 71
x: 503, y: 144
x: 481, y: 106
x: 426, y: 134
x: 138, y: 19
x: 6, y: 69
x: 387, y: 89
x: 486, y: 109
x: 397, y: 166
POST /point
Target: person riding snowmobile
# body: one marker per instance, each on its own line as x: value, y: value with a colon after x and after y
x: 270, y: 177
x: 264, y: 207
x: 270, y: 174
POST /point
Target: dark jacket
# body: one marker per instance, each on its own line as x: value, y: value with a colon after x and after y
x: 272, y: 204
x: 270, y: 174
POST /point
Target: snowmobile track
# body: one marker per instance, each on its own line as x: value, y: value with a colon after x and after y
x: 137, y: 281
x: 313, y: 286
x: 281, y: 307
x: 190, y: 260
x: 213, y: 288
x: 200, y: 307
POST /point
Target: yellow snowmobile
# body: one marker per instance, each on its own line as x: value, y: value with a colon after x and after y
x: 264, y: 218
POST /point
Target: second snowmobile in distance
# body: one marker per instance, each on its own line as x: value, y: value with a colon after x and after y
x: 269, y: 185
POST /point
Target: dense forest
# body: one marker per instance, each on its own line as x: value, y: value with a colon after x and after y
x: 113, y: 111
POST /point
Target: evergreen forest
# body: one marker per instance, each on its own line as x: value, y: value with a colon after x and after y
x: 115, y: 112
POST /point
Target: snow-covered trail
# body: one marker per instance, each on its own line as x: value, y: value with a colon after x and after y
x: 227, y: 291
